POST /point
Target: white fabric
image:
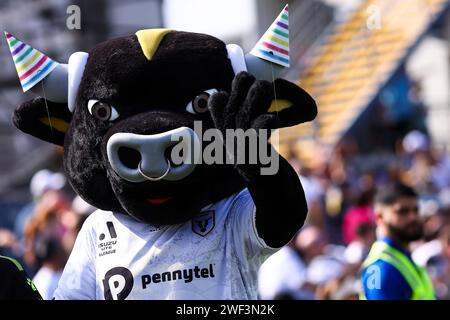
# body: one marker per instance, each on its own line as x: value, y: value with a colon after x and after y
x: 46, y: 280
x: 283, y: 272
x: 223, y: 262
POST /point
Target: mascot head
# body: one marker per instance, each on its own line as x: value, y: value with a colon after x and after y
x: 120, y: 110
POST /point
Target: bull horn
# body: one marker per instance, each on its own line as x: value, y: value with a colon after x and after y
x: 262, y: 69
x: 269, y: 56
x: 77, y: 63
x: 54, y: 86
x: 33, y: 67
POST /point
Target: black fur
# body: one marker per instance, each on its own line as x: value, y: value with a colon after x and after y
x: 27, y: 118
x: 151, y: 97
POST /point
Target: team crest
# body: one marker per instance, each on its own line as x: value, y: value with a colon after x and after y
x: 204, y: 222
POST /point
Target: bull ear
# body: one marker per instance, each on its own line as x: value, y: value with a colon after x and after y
x: 50, y: 124
x: 293, y: 105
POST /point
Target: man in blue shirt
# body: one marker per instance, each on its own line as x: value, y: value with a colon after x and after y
x: 389, y: 273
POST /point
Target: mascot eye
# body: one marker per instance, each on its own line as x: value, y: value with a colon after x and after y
x: 200, y: 102
x: 102, y: 111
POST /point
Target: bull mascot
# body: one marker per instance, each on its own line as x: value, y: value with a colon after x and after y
x: 169, y: 229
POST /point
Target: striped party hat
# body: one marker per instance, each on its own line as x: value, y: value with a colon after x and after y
x: 274, y: 44
x: 32, y: 65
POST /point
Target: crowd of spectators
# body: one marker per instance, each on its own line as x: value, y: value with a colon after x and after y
x: 45, y: 230
x: 324, y: 260
x: 321, y: 262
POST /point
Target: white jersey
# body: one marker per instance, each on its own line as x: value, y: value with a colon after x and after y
x: 216, y: 255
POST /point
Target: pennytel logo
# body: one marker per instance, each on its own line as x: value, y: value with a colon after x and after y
x: 186, y: 274
x: 118, y: 283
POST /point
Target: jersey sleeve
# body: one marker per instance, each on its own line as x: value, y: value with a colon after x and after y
x: 243, y: 215
x: 382, y: 281
x: 78, y: 281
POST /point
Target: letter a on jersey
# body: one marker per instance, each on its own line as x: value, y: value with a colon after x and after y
x: 204, y: 223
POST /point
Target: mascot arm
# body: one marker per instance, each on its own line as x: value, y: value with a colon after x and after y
x: 278, y: 194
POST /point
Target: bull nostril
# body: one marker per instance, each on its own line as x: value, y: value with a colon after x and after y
x: 168, y: 155
x: 129, y: 157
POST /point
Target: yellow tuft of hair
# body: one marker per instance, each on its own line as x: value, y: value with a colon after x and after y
x: 149, y: 39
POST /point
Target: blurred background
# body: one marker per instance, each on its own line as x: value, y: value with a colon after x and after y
x: 379, y: 71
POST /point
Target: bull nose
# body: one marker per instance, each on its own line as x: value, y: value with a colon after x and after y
x: 137, y: 158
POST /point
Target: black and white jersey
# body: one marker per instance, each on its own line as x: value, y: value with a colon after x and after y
x: 215, y: 255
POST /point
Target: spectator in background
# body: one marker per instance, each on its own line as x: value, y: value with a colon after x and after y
x: 428, y: 169
x: 419, y: 170
x: 46, y: 221
x: 361, y: 213
x: 73, y: 220
x: 435, y: 257
x: 419, y: 109
x: 359, y: 248
x: 284, y: 274
x: 337, y: 200
x: 50, y: 234
x: 8, y: 242
x: 313, y: 192
x: 41, y: 182
x: 442, y: 274
x: 440, y: 171
x: 52, y: 257
x: 389, y: 273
